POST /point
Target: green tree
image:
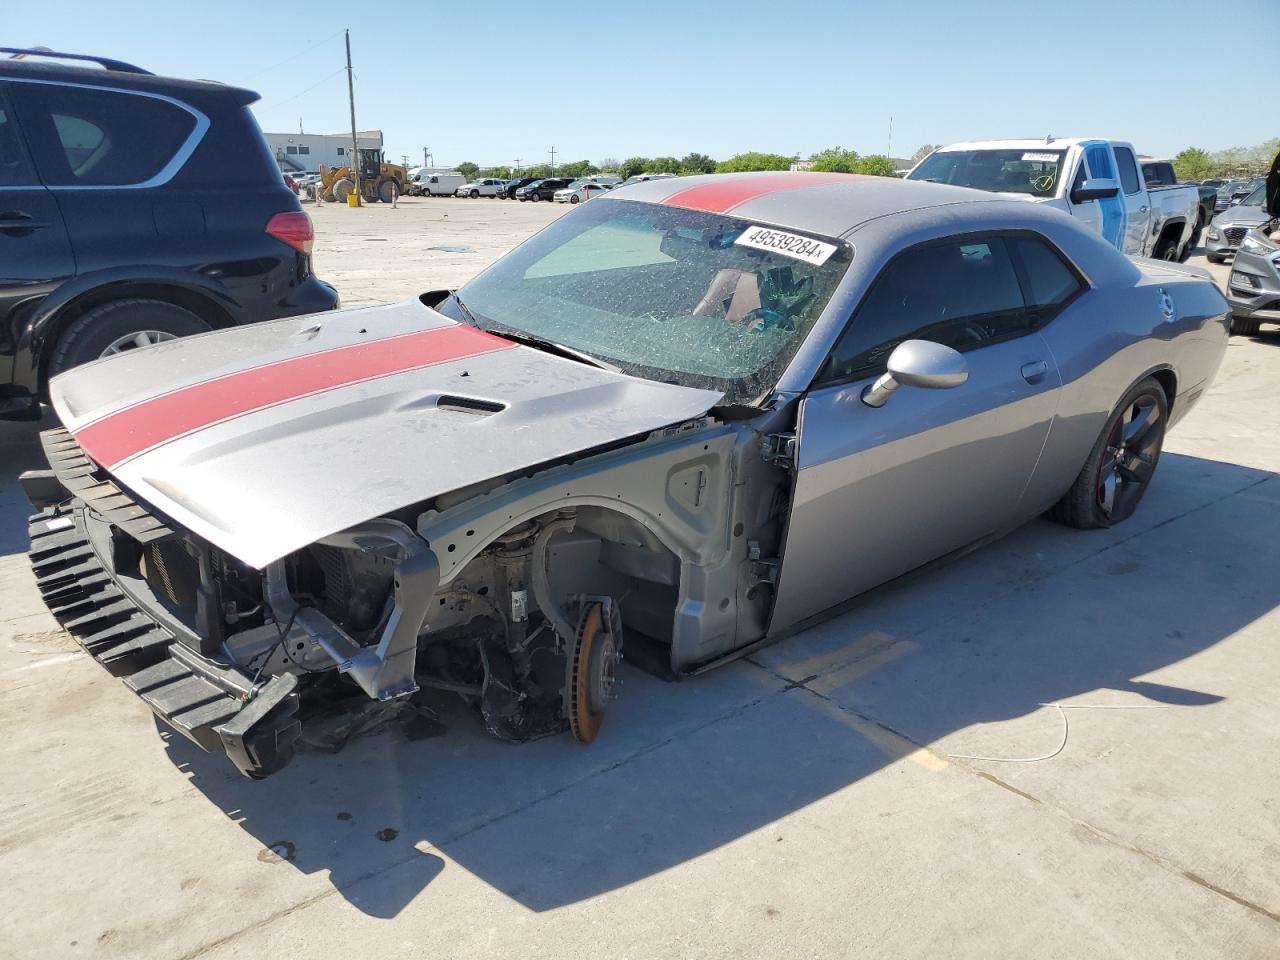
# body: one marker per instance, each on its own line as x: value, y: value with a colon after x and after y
x: 608, y: 165
x: 540, y: 172
x: 663, y: 165
x: 697, y: 163
x: 923, y: 152
x: 745, y: 162
x: 467, y: 169
x: 1193, y: 164
x: 876, y: 165
x: 581, y: 168
x: 502, y: 173
x: 835, y: 160
x: 633, y: 165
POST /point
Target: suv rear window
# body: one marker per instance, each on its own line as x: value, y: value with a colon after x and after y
x: 84, y: 136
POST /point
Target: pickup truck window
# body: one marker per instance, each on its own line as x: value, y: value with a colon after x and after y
x: 1129, y: 180
x: 1033, y: 172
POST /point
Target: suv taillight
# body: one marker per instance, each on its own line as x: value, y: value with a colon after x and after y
x: 293, y: 228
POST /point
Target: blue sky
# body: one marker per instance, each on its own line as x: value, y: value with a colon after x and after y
x: 495, y: 82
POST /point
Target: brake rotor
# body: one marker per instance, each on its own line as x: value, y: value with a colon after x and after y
x: 589, y: 670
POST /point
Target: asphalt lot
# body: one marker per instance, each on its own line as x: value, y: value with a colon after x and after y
x: 805, y: 803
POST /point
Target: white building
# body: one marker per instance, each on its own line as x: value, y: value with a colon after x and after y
x: 304, y: 152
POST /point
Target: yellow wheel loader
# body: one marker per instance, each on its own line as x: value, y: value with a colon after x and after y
x: 378, y: 180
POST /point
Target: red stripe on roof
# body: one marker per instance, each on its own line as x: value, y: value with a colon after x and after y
x: 721, y: 197
x: 127, y: 433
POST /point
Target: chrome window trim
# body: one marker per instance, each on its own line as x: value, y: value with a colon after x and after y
x: 163, y: 175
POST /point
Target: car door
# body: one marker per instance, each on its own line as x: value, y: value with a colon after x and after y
x: 1137, y: 231
x: 880, y: 491
x: 1101, y: 162
x: 35, y: 252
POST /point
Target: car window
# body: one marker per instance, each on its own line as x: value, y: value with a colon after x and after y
x: 89, y: 137
x: 665, y: 293
x: 13, y: 168
x: 1255, y: 199
x: 1050, y: 281
x: 1129, y: 180
x: 961, y: 292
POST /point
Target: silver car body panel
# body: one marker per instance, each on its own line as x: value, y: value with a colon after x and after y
x: 264, y: 481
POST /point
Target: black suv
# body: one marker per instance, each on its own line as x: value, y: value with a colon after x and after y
x: 513, y: 185
x: 134, y: 209
x: 543, y: 189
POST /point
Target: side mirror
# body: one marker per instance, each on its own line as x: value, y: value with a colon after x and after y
x: 918, y: 363
x: 1097, y: 188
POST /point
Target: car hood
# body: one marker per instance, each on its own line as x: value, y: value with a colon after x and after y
x: 1241, y: 216
x: 266, y: 438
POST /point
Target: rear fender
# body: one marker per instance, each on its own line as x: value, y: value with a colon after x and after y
x: 197, y: 292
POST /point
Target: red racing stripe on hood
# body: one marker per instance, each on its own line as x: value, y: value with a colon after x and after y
x: 733, y: 191
x: 125, y: 434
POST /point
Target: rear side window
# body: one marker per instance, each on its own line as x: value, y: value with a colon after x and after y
x: 1050, y: 282
x: 91, y: 137
x: 1129, y: 181
x: 962, y: 292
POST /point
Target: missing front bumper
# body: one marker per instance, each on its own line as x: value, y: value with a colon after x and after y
x: 215, y: 706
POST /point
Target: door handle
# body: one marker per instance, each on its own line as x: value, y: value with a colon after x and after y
x: 1034, y: 371
x: 14, y: 220
x: 1142, y: 209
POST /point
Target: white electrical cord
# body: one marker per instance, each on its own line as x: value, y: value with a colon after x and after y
x: 1066, y: 729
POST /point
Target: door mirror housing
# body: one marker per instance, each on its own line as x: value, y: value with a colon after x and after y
x: 918, y: 363
x: 1097, y: 188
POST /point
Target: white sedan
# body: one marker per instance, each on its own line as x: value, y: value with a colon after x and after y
x: 580, y: 192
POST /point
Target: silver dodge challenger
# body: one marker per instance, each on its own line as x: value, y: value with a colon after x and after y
x: 694, y: 416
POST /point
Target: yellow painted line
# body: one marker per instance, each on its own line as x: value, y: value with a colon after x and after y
x: 862, y: 647
x: 887, y: 742
x: 828, y: 683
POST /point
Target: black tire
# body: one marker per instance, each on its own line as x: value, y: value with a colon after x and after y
x: 474, y: 194
x: 574, y: 199
x: 1123, y: 462
x: 386, y: 190
x: 535, y: 198
x: 1214, y: 258
x: 87, y: 337
x: 1242, y: 327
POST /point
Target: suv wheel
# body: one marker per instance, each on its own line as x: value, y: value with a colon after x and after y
x: 119, y: 326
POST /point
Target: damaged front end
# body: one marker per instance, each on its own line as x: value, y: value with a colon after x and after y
x: 239, y: 660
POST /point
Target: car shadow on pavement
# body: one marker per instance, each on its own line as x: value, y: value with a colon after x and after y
x: 19, y: 450
x: 939, y: 660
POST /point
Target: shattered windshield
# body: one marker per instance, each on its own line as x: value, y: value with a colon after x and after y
x: 1034, y: 172
x: 663, y: 293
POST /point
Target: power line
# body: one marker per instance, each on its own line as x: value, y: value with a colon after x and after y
x: 280, y: 103
x: 290, y: 59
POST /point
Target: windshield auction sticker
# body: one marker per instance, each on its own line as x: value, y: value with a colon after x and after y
x: 787, y: 244
x: 1040, y: 157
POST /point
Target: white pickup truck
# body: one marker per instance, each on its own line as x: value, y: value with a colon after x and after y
x: 1097, y: 181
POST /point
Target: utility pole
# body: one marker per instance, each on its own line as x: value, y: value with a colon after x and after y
x: 351, y: 96
x: 426, y: 157
x: 553, y: 161
x: 404, y: 159
x: 890, y: 153
x: 518, y: 164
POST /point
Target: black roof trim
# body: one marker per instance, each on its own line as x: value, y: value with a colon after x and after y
x: 16, y: 53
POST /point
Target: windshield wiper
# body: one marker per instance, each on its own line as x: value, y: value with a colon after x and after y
x: 550, y: 346
x: 530, y: 340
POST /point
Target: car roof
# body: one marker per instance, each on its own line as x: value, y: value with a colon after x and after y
x: 120, y: 79
x: 830, y: 204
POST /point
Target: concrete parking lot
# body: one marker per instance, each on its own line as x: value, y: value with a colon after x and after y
x: 812, y: 801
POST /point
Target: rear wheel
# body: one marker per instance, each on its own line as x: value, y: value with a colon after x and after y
x: 120, y: 326
x: 1115, y: 478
